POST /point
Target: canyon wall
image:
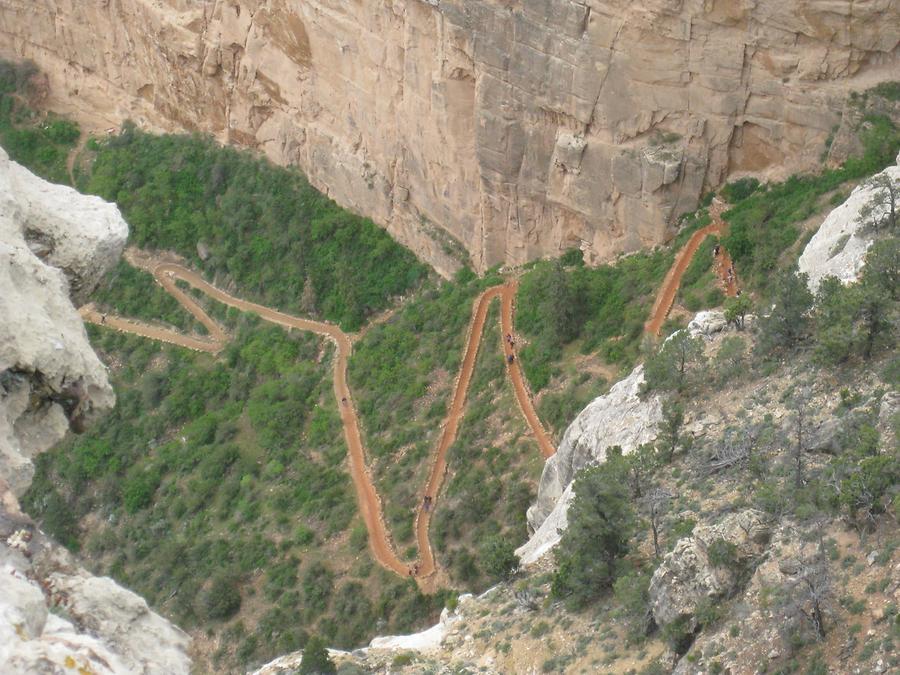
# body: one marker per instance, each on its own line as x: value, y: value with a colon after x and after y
x: 517, y: 127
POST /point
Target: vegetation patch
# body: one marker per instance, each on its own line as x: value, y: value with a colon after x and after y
x: 287, y: 246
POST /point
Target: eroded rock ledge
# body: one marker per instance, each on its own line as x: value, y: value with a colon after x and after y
x: 54, y: 616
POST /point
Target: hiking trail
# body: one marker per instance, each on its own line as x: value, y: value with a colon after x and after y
x: 167, y: 272
x: 672, y: 281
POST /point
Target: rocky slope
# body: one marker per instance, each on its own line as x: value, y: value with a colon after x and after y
x: 54, y: 245
x: 518, y: 127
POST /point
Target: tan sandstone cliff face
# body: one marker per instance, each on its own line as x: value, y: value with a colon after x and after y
x: 521, y: 127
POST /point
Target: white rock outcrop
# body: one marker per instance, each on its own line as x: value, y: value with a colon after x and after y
x: 54, y: 616
x: 49, y: 375
x: 619, y: 417
x: 429, y: 640
x: 839, y: 246
x: 79, y: 234
x: 707, y: 323
x: 687, y: 577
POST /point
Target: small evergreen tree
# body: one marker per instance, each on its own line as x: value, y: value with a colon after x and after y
x: 498, y: 558
x: 672, y: 368
x: 788, y: 323
x: 880, y: 212
x: 835, y: 317
x: 736, y: 310
x: 316, y: 660
x: 601, y: 521
x: 669, y: 437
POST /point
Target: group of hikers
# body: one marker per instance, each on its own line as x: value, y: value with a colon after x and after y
x: 512, y: 345
x: 729, y: 273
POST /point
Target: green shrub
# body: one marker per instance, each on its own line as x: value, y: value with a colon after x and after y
x: 498, y: 558
x: 316, y: 660
x: 722, y: 553
x: 740, y: 189
x: 220, y: 600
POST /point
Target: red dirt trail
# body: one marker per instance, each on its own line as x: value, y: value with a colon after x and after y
x: 669, y: 289
x: 383, y: 551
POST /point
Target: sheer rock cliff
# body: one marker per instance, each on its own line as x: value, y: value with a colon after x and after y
x: 517, y: 128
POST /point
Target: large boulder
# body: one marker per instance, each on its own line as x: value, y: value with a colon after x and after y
x: 49, y: 375
x: 620, y: 417
x: 686, y: 578
x: 839, y: 246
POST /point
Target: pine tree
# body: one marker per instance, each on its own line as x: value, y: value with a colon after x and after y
x: 316, y: 660
x: 601, y: 521
x: 788, y: 323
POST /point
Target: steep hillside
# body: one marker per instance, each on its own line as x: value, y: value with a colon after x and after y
x: 517, y: 129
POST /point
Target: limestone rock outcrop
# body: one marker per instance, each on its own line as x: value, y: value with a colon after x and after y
x: 429, y: 640
x: 50, y: 378
x: 619, y: 417
x: 687, y: 577
x: 55, y: 616
x: 839, y: 246
x: 519, y: 128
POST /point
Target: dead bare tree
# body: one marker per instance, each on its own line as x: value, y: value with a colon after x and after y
x: 808, y: 593
x: 880, y: 212
x: 800, y: 402
x: 657, y: 503
x: 736, y: 448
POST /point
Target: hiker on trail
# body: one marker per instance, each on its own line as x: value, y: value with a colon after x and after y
x: 344, y: 400
x: 416, y: 569
x: 103, y: 318
x: 411, y: 572
x: 716, y: 250
x: 426, y: 503
x: 510, y: 358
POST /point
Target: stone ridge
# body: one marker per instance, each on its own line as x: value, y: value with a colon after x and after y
x: 520, y: 127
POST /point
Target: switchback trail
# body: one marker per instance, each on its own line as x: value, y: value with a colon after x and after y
x: 669, y: 289
x: 167, y: 273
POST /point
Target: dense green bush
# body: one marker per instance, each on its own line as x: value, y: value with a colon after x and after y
x: 221, y: 600
x: 316, y: 660
x: 498, y: 558
x: 178, y: 191
x: 740, y: 189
